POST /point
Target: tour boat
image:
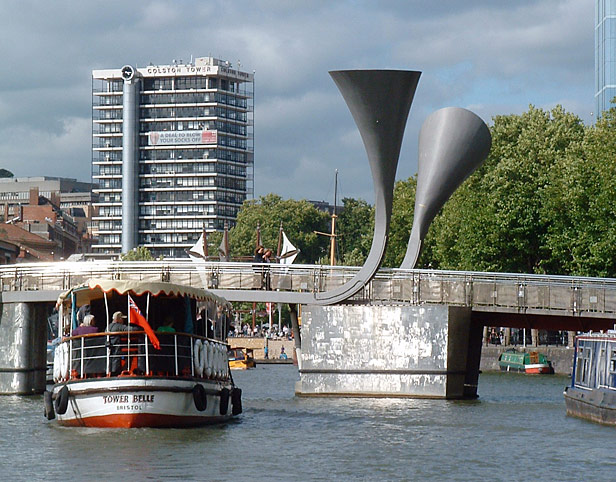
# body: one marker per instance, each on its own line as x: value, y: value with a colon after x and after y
x: 241, y: 359
x: 532, y: 363
x: 179, y: 377
x: 592, y: 394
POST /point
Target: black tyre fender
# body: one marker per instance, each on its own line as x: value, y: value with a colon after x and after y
x: 62, y: 400
x: 199, y: 397
x: 224, y: 401
x: 50, y: 414
x: 236, y: 401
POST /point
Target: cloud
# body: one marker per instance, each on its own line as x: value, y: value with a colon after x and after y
x: 493, y: 57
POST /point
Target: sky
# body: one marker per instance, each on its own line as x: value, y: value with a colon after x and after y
x: 494, y: 57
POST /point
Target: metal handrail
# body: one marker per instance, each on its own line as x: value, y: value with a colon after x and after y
x: 467, y: 288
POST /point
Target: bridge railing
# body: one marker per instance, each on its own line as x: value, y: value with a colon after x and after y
x: 488, y: 291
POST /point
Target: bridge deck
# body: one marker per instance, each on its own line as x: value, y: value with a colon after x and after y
x: 485, y: 292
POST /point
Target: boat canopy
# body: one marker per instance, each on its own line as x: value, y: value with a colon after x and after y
x: 95, y: 289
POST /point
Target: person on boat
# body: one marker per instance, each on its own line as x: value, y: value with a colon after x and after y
x: 86, y: 326
x: 82, y: 312
x: 167, y: 326
x: 118, y: 324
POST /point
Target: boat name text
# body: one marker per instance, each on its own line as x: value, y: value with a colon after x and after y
x: 128, y: 398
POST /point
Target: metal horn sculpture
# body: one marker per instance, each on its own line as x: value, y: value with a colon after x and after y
x: 453, y: 142
x: 380, y: 101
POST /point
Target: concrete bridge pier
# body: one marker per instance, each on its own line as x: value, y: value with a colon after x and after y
x: 428, y: 351
x: 23, y: 347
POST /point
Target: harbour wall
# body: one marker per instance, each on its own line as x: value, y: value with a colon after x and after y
x: 257, y: 344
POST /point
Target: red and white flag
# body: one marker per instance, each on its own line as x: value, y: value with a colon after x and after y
x: 136, y: 317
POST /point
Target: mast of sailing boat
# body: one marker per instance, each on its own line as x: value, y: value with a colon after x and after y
x: 332, y: 236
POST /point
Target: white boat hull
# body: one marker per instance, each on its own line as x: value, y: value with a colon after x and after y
x: 143, y: 402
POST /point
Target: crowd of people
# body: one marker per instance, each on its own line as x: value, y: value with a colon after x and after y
x: 261, y: 332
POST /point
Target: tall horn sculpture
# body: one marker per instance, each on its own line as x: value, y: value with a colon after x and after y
x: 453, y: 142
x: 380, y: 101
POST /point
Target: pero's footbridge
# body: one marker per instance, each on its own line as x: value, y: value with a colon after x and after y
x: 496, y: 295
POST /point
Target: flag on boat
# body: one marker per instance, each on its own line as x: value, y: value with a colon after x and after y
x: 288, y: 252
x: 136, y: 317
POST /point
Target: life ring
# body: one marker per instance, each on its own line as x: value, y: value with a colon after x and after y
x: 225, y: 362
x: 47, y: 400
x: 56, y: 363
x: 199, y: 397
x: 217, y: 362
x: 204, y: 358
x: 215, y: 365
x: 220, y: 361
x: 63, y: 363
x: 198, y: 357
x: 224, y: 401
x: 210, y: 359
x: 236, y: 401
x: 62, y: 400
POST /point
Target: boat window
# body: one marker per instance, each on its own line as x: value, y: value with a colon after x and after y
x: 613, y: 361
x: 582, y: 366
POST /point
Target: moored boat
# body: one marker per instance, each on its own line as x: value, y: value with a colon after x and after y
x: 241, y: 359
x: 135, y: 376
x: 592, y: 393
x: 531, y: 362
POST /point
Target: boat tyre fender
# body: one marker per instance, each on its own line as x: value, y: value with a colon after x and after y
x: 62, y: 400
x: 50, y: 414
x: 198, y: 357
x: 224, y: 401
x: 210, y: 359
x: 236, y: 401
x: 199, y: 397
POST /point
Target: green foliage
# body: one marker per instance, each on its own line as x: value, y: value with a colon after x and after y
x: 299, y: 220
x: 543, y: 202
x: 140, y: 253
x: 6, y: 173
x: 401, y: 222
x: 355, y: 227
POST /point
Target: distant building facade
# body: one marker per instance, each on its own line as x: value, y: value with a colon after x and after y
x: 56, y: 209
x: 172, y: 153
x: 605, y: 55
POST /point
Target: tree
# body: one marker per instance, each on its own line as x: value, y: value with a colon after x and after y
x: 500, y: 219
x: 140, y: 253
x: 355, y: 228
x: 6, y: 173
x: 401, y: 222
x: 299, y: 220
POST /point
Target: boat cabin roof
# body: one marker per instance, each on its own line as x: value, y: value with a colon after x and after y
x: 95, y: 288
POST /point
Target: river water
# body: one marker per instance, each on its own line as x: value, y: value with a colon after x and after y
x: 516, y: 430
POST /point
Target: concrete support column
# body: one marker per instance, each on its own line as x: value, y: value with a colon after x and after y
x: 296, y: 334
x: 486, y: 335
x: 389, y: 351
x: 23, y: 348
x: 130, y: 159
x: 535, y: 337
x: 507, y: 340
x: 571, y: 338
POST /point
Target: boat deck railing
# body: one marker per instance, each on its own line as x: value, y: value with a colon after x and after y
x: 109, y: 354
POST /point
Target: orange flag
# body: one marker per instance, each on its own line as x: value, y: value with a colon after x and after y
x: 135, y: 317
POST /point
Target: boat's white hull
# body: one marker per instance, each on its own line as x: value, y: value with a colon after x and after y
x: 143, y: 402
